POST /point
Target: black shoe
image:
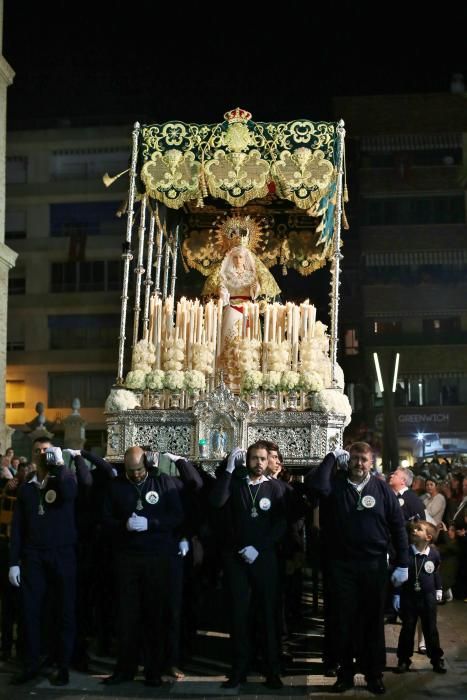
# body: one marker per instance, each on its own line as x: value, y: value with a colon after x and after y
x: 342, y: 684
x: 439, y: 667
x: 24, y: 677
x: 153, y: 681
x: 402, y: 667
x: 273, y: 682
x: 60, y: 677
x: 376, y: 686
x: 117, y: 678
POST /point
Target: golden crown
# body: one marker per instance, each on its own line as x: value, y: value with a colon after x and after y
x: 237, y: 115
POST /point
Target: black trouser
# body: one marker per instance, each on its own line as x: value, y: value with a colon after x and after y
x: 53, y: 572
x: 259, y: 581
x: 358, y: 588
x: 142, y: 580
x: 414, y: 606
x: 174, y: 610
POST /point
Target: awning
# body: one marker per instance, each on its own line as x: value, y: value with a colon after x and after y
x: 410, y: 142
x: 415, y: 257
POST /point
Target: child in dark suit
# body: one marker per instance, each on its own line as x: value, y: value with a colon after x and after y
x: 419, y: 596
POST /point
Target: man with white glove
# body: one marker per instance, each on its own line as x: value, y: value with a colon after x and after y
x: 14, y: 576
x: 399, y: 576
x: 360, y: 520
x: 142, y: 512
x: 252, y: 511
x: 43, y: 539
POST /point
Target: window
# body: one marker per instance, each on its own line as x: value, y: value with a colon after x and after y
x: 85, y: 164
x: 90, y: 218
x: 351, y: 342
x: 15, y: 393
x: 441, y: 325
x: 86, y: 276
x: 92, y: 388
x: 84, y: 331
x: 16, y: 170
x: 386, y: 327
x: 15, y: 224
x: 17, y: 285
x: 379, y: 211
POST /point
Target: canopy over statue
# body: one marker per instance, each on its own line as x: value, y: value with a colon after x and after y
x: 232, y: 200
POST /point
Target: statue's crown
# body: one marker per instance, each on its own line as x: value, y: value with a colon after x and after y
x: 237, y: 115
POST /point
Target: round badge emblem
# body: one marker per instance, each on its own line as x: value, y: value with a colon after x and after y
x: 265, y: 504
x: 152, y: 497
x: 401, y: 502
x: 368, y: 501
x: 50, y: 496
x: 429, y: 567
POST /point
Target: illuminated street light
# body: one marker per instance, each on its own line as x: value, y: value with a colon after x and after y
x: 396, y: 371
x: 378, y: 372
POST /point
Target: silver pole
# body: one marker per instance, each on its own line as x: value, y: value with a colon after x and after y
x: 158, y: 263
x: 174, y: 263
x: 148, y: 281
x: 168, y: 244
x: 139, y: 271
x: 337, y: 256
x: 127, y: 256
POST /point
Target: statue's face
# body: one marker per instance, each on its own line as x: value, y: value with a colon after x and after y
x: 238, y: 259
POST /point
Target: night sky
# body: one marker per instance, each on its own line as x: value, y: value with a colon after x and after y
x: 116, y: 62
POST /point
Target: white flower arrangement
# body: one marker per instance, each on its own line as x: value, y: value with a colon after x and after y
x: 252, y: 380
x: 249, y: 355
x: 135, y: 379
x: 120, y: 400
x: 203, y: 358
x: 334, y: 401
x: 155, y: 379
x: 143, y: 356
x: 271, y: 380
x: 311, y: 381
x: 278, y: 356
x: 174, y: 380
x: 194, y: 380
x: 173, y: 354
x: 290, y: 380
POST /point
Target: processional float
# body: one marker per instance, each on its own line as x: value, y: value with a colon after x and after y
x: 231, y: 200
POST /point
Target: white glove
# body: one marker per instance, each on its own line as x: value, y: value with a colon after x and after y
x: 137, y: 523
x: 396, y: 602
x: 53, y: 456
x: 236, y: 459
x: 173, y: 458
x: 14, y: 576
x: 439, y: 596
x: 342, y: 458
x: 399, y: 576
x: 248, y: 554
x: 72, y: 453
x: 183, y: 547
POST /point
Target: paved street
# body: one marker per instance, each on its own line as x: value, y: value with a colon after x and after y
x: 301, y: 679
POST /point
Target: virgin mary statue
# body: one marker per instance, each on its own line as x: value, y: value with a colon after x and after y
x: 241, y: 277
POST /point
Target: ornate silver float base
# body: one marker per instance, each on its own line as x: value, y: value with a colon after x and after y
x: 221, y: 422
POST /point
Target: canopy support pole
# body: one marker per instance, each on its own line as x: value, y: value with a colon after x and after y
x: 139, y: 271
x: 148, y: 281
x: 337, y: 256
x: 127, y: 255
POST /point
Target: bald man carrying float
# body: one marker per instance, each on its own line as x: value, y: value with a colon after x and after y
x: 142, y: 509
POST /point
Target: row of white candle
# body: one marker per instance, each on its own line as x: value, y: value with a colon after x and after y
x: 198, y: 324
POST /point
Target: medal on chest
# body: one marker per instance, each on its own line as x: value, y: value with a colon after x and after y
x: 152, y: 497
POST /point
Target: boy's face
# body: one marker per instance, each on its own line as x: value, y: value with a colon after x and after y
x: 419, y: 534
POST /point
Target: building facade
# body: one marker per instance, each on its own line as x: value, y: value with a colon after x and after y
x: 7, y: 255
x: 64, y: 295
x: 407, y: 269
